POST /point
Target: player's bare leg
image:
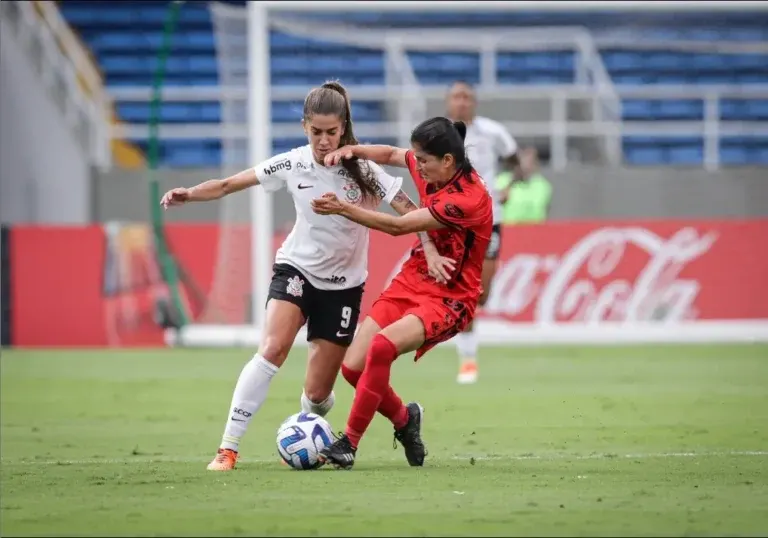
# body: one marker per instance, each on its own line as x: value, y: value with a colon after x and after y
x: 466, y: 341
x: 323, y: 365
x: 283, y: 321
x: 405, y: 335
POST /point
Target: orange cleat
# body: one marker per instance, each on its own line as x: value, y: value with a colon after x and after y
x: 225, y: 460
x: 467, y: 373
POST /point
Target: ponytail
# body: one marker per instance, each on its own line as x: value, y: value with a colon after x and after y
x: 461, y: 127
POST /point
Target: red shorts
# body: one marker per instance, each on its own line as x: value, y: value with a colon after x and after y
x: 443, y: 317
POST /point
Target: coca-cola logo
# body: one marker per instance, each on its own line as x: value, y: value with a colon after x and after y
x: 612, y: 274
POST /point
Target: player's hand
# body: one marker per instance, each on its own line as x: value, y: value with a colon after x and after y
x: 335, y: 157
x: 327, y: 204
x: 173, y: 197
x: 439, y: 267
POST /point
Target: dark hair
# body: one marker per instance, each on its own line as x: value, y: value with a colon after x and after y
x: 331, y: 99
x: 440, y: 136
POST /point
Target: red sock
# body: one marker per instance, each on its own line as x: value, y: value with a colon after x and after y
x: 352, y: 376
x: 391, y: 405
x: 372, y: 387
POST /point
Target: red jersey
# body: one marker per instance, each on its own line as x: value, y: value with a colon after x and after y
x: 465, y: 207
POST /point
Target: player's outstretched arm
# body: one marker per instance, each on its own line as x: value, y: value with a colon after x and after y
x: 380, y: 154
x: 403, y: 205
x: 420, y: 220
x: 212, y: 189
x: 440, y: 267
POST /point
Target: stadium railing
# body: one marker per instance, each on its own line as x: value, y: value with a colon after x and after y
x: 403, y: 92
x: 71, y: 79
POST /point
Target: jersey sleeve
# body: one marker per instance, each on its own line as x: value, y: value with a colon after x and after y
x: 462, y: 209
x: 274, y: 172
x: 410, y: 161
x: 505, y: 145
x: 387, y: 186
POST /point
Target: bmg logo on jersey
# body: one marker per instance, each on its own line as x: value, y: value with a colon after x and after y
x: 285, y: 164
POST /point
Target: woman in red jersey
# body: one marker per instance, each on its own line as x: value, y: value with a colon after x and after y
x: 415, y: 312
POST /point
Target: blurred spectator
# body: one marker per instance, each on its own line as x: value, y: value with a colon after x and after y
x: 527, y: 193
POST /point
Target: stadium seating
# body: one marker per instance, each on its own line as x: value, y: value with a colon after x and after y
x: 124, y: 39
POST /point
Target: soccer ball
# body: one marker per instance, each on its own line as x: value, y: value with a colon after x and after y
x: 301, y: 437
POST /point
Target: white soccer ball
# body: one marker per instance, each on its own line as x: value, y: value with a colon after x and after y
x: 301, y: 437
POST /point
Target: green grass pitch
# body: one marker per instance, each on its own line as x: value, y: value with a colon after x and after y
x: 560, y: 441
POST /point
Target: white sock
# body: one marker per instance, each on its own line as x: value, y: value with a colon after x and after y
x: 250, y: 392
x: 466, y: 344
x: 320, y: 408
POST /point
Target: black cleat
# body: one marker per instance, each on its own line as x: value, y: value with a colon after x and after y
x: 410, y: 436
x: 340, y: 453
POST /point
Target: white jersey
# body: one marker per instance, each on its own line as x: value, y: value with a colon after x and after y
x: 487, y: 141
x: 331, y: 251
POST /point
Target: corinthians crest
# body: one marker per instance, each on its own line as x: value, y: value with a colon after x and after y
x: 295, y: 286
x: 352, y: 192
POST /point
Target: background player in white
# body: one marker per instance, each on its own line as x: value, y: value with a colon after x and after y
x: 490, y: 147
x: 321, y: 267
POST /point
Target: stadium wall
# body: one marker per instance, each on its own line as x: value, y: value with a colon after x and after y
x: 5, y: 287
x: 592, y: 280
x: 579, y: 193
x: 44, y: 174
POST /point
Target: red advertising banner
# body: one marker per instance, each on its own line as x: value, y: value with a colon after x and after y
x: 98, y: 285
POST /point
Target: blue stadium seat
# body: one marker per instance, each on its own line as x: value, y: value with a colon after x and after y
x: 744, y: 109
x: 444, y: 67
x: 744, y: 150
x: 291, y: 111
x: 665, y: 110
x: 287, y: 111
x: 675, y: 151
x: 643, y: 155
x: 686, y: 155
x: 125, y: 39
x: 757, y: 109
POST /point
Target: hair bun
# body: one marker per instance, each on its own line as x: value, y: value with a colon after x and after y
x: 461, y: 127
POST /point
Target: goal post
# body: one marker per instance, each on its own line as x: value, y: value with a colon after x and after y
x: 259, y: 149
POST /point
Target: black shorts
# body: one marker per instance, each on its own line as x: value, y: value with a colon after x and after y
x: 494, y: 247
x: 331, y: 314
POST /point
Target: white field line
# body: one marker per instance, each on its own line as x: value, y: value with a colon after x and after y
x: 462, y: 457
x: 610, y: 456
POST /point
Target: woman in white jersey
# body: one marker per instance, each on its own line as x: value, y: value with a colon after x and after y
x: 320, y: 269
x: 488, y: 145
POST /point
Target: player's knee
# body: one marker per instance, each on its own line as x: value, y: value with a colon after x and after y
x: 274, y: 349
x: 351, y: 375
x: 381, y: 352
